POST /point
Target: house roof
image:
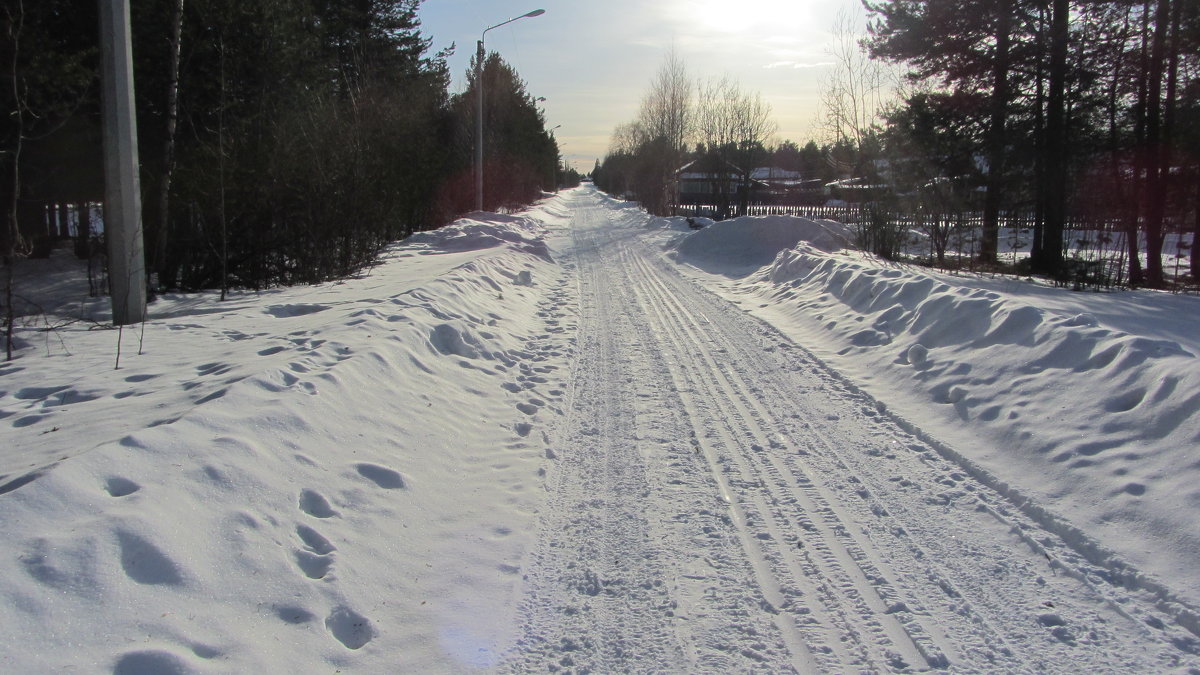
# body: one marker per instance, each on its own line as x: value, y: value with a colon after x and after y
x: 774, y: 173
x: 692, y: 168
x: 855, y: 184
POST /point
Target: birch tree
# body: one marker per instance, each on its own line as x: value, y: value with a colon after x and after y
x: 665, y: 122
x: 856, y: 89
x: 736, y: 127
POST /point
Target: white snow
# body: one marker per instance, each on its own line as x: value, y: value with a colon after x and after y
x: 331, y: 475
x: 1085, y: 403
x: 751, y: 242
x: 476, y: 456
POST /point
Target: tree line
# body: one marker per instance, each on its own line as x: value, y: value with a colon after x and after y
x: 729, y: 126
x: 281, y: 141
x: 1072, y: 107
x: 1055, y: 108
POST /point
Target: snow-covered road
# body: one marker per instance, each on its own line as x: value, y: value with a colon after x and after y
x: 582, y: 439
x: 721, y: 501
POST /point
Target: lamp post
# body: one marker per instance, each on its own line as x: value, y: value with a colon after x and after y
x: 554, y: 167
x: 479, y: 116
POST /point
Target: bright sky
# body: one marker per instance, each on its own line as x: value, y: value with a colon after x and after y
x: 593, y: 60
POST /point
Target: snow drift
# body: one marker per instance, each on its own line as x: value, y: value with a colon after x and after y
x: 741, y: 244
x: 1076, y: 418
x: 1083, y: 408
x: 472, y: 234
x: 276, y: 482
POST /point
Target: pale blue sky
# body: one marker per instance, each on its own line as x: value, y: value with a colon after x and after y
x: 593, y: 60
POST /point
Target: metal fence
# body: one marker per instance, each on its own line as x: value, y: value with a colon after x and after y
x: 1095, y: 246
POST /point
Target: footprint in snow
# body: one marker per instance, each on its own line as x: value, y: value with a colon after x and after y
x: 349, y: 627
x: 1135, y: 489
x: 314, y: 541
x: 18, y: 482
x: 388, y: 479
x: 293, y: 615
x: 28, y: 420
x: 145, y: 563
x: 150, y: 661
x: 141, y: 378
x: 66, y: 566
x: 215, y: 368
x: 451, y: 342
x: 117, y: 486
x: 314, y: 504
x: 293, y: 310
x: 38, y: 393
x: 316, y: 558
x: 211, y: 397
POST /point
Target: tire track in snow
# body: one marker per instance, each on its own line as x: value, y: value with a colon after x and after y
x: 838, y: 556
x: 596, y: 597
x: 850, y: 601
x: 986, y: 618
x: 721, y: 501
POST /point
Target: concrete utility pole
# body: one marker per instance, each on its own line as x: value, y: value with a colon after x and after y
x: 122, y: 195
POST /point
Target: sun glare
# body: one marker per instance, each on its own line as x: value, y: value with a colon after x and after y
x: 751, y: 18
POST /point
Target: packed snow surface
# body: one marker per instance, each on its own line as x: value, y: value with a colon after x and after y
x: 582, y: 439
x: 1089, y: 402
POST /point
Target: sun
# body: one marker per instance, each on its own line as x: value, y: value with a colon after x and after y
x: 750, y: 18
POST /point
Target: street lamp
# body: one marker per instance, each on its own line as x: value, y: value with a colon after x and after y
x: 479, y: 115
x: 554, y: 168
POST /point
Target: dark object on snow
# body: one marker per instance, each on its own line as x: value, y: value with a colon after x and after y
x: 43, y: 246
x: 1082, y: 274
x: 693, y: 224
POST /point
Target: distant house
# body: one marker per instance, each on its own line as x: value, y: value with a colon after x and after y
x: 774, y: 174
x: 701, y: 183
x: 61, y: 179
x: 856, y: 190
x: 782, y: 186
x: 715, y: 184
x: 917, y: 176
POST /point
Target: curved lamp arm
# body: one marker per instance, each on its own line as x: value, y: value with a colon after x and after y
x: 536, y: 12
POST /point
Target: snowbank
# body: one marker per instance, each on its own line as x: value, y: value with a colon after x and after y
x: 734, y: 247
x: 472, y: 234
x: 1033, y: 386
x: 1083, y: 408
x: 333, y: 477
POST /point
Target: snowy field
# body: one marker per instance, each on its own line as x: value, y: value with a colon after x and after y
x: 582, y: 439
